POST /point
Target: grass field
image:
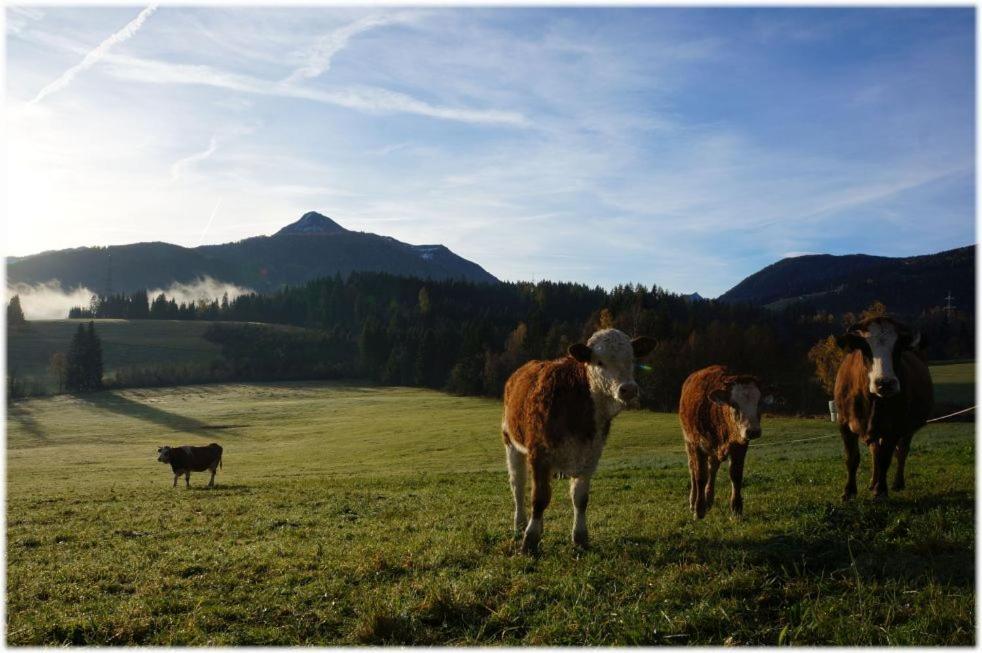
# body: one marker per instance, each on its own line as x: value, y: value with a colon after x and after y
x: 954, y: 383
x: 350, y: 515
x: 125, y: 343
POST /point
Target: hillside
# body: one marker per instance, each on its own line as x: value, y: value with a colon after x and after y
x: 850, y: 283
x: 314, y: 246
x: 125, y: 343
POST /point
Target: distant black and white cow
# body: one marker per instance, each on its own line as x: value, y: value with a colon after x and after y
x: 187, y: 459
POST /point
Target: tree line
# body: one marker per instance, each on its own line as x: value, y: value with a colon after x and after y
x: 467, y: 338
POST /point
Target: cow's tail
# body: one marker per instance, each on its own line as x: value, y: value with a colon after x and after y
x: 220, y: 463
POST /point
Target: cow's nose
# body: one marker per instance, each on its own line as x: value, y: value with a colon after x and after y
x: 753, y: 434
x: 628, y: 391
x: 886, y: 386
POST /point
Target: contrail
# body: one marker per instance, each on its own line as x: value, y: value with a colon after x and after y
x: 214, y: 212
x: 330, y: 44
x: 179, y: 167
x: 95, y: 55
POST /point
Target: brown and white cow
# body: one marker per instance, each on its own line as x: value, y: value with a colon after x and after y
x: 557, y: 417
x: 883, y: 394
x: 720, y: 415
x: 187, y: 459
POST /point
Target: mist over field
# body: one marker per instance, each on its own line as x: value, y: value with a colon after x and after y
x: 49, y: 301
x: 204, y: 288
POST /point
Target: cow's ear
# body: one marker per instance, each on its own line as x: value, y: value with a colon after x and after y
x: 768, y: 400
x: 720, y: 396
x: 642, y: 346
x: 580, y: 352
x: 918, y: 341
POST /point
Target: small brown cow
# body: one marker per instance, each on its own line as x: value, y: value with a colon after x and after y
x: 187, y: 459
x: 883, y: 394
x: 720, y: 415
x: 557, y: 417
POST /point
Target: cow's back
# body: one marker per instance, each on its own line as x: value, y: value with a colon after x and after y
x: 703, y: 421
x: 548, y: 400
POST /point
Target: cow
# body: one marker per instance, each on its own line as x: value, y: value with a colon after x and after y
x: 557, y: 416
x: 720, y: 414
x: 883, y: 394
x: 187, y: 459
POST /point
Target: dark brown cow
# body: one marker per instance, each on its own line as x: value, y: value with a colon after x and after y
x: 720, y: 415
x: 556, y: 419
x: 187, y: 459
x: 883, y: 394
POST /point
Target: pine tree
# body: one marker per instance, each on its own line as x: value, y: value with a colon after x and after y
x: 75, y: 368
x: 15, y: 315
x: 93, y: 359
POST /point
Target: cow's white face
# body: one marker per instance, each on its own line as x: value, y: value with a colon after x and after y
x: 881, y: 337
x: 163, y: 455
x: 744, y: 400
x: 609, y: 355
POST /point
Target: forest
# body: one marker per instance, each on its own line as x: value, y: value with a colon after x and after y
x: 467, y: 338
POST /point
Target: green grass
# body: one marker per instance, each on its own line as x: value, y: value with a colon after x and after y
x: 954, y: 383
x: 349, y: 515
x: 125, y: 343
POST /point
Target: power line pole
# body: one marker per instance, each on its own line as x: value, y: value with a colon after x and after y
x: 948, y: 305
x: 109, y: 274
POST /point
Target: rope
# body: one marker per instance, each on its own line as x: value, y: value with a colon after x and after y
x: 957, y: 412
x: 774, y: 444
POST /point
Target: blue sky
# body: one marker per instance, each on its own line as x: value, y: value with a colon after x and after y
x: 684, y: 147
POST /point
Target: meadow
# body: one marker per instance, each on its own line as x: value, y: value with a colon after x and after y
x: 125, y: 343
x: 371, y: 515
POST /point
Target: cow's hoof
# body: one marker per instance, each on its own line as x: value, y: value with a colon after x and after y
x: 898, y: 485
x: 848, y: 494
x: 530, y: 547
x: 880, y: 497
x: 581, y: 539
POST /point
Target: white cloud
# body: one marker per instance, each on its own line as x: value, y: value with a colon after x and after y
x: 320, y: 56
x: 96, y: 54
x: 362, y: 98
x: 179, y: 167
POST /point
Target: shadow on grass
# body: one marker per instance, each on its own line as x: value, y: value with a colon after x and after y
x: 26, y: 421
x: 872, y: 541
x: 115, y: 403
x: 220, y: 488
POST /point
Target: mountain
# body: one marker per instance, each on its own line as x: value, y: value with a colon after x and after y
x: 838, y: 284
x: 313, y: 246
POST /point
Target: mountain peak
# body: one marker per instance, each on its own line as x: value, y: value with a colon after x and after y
x: 312, y: 223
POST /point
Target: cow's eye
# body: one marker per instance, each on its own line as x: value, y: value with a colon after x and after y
x: 600, y: 363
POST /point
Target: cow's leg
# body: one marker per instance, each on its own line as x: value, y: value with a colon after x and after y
x: 176, y: 476
x: 579, y: 492
x: 882, y: 452
x: 702, y: 475
x: 711, y: 481
x: 737, y: 457
x: 187, y: 478
x: 517, y: 473
x: 693, y: 477
x: 214, y: 468
x: 903, y: 448
x: 541, y: 494
x: 851, y: 443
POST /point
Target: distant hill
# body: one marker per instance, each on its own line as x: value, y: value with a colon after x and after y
x: 314, y: 246
x: 850, y: 283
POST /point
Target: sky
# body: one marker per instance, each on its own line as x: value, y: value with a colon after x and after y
x: 684, y: 147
